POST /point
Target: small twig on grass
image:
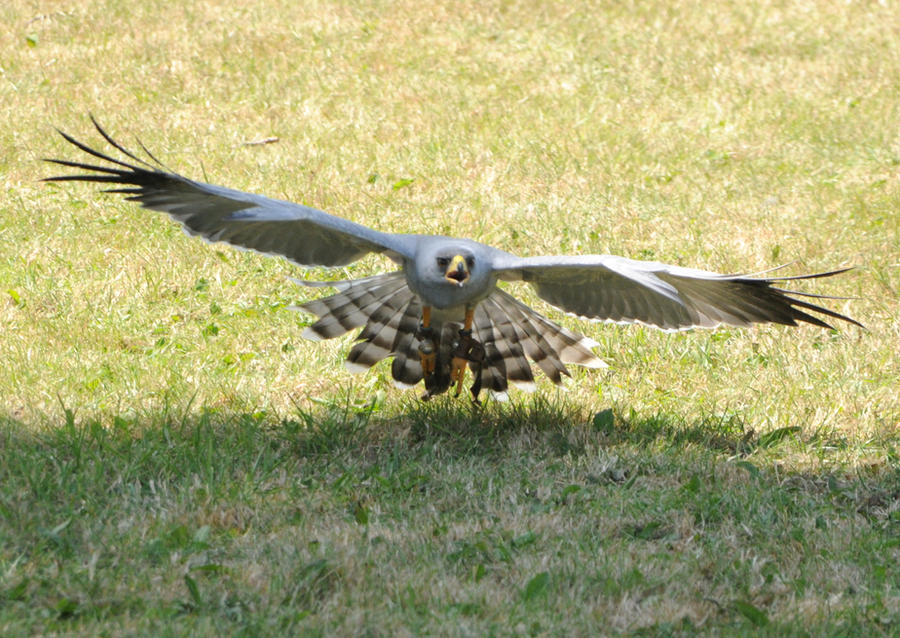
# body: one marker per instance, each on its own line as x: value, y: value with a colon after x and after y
x: 260, y: 142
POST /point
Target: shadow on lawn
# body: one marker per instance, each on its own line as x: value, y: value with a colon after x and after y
x: 64, y: 490
x: 78, y: 470
x: 214, y: 440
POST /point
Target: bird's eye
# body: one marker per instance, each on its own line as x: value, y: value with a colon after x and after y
x: 470, y: 262
x: 443, y: 262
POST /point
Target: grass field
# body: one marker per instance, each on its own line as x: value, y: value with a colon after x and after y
x: 176, y: 460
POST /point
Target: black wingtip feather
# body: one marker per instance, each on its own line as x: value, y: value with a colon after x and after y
x: 118, y: 146
x: 83, y: 166
x: 152, y: 156
x: 90, y: 151
x: 121, y: 172
x: 813, y: 295
x: 108, y: 179
x: 124, y: 191
x: 815, y: 275
x: 785, y: 297
x: 823, y: 310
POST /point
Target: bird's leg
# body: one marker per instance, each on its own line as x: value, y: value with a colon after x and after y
x: 463, y: 351
x: 427, y: 347
x: 476, y: 363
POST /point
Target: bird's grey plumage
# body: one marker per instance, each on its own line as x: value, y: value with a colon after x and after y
x: 617, y: 289
x: 390, y: 307
x: 302, y: 234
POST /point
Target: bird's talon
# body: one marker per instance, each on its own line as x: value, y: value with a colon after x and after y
x: 458, y: 372
x: 458, y: 368
x: 427, y: 357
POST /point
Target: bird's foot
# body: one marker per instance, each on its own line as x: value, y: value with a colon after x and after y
x: 427, y: 350
x: 458, y: 372
x: 466, y: 350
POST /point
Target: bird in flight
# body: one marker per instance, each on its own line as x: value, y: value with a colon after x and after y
x: 441, y: 311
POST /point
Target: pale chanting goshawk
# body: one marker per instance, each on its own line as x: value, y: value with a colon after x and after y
x: 442, y: 311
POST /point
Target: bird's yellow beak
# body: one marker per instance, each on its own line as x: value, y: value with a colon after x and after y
x: 457, y: 272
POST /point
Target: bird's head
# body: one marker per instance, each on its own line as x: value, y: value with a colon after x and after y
x: 448, y: 272
x: 456, y: 268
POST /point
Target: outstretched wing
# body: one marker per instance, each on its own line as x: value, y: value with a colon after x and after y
x: 610, y: 288
x: 304, y: 235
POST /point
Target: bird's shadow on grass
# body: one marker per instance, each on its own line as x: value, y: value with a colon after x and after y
x: 215, y: 443
x: 76, y: 470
